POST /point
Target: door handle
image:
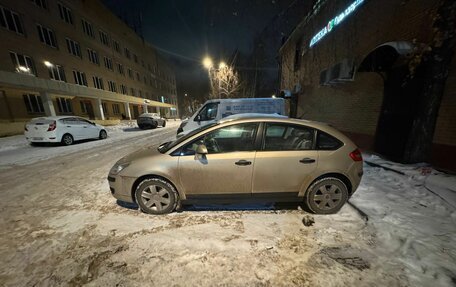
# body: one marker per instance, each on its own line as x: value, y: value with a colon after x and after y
x: 68, y: 126
x: 243, y: 162
x: 307, y: 160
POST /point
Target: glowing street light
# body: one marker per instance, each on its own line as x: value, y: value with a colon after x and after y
x: 207, y: 62
x: 222, y: 65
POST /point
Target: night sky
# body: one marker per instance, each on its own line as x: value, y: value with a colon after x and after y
x: 186, y: 31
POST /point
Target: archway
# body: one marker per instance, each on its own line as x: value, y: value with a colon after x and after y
x: 401, y: 92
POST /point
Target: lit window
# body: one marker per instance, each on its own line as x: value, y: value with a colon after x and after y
x: 23, y: 64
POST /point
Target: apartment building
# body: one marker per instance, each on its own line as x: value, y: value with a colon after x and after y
x: 60, y: 57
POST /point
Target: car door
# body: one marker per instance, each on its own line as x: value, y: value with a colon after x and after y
x: 72, y: 126
x: 89, y: 131
x: 286, y: 159
x: 227, y: 168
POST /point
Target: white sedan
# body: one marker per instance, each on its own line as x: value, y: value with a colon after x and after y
x: 64, y: 129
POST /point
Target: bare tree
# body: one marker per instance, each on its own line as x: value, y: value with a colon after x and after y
x: 225, y: 82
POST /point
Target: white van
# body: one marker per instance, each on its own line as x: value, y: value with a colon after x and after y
x: 214, y: 110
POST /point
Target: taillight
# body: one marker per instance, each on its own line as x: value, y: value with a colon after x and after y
x: 25, y: 128
x: 356, y: 155
x: 52, y: 126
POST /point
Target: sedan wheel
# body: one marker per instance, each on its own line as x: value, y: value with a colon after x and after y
x: 103, y: 134
x: 156, y: 196
x: 326, y: 195
x: 67, y: 139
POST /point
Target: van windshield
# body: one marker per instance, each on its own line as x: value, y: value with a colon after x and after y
x: 169, y: 145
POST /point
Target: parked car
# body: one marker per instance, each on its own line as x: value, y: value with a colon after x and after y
x: 150, y: 120
x: 63, y: 129
x: 214, y: 110
x: 243, y: 157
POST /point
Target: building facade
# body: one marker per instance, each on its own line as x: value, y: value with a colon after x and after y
x: 76, y: 57
x: 353, y: 64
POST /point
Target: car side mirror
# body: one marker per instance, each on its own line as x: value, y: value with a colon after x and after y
x: 198, y: 118
x: 201, y: 149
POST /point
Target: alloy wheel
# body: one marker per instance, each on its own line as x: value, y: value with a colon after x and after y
x: 156, y: 197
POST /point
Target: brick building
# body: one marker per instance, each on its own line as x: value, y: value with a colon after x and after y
x: 348, y: 64
x: 76, y: 57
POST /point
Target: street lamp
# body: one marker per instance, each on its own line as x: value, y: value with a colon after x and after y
x: 222, y: 65
x: 207, y: 63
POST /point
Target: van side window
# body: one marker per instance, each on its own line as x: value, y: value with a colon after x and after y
x: 209, y: 112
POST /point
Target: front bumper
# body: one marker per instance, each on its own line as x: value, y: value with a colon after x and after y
x: 120, y: 187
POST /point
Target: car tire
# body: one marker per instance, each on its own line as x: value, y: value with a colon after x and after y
x: 154, y: 125
x: 164, y: 123
x: 326, y: 195
x: 67, y: 139
x: 156, y: 196
x: 103, y: 135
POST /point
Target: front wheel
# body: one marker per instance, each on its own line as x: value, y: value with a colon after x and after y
x: 103, y: 134
x: 156, y: 196
x: 326, y: 195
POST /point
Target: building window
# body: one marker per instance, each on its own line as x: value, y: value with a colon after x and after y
x: 93, y: 56
x: 64, y: 106
x: 56, y: 72
x: 112, y: 86
x: 40, y: 3
x: 108, y: 63
x: 10, y: 20
x: 98, y: 83
x: 23, y: 64
x: 65, y: 14
x: 116, y: 109
x: 74, y: 48
x: 130, y: 73
x: 138, y: 77
x: 83, y: 107
x: 140, y: 93
x: 80, y: 78
x: 116, y: 46
x: 120, y: 69
x: 105, y: 108
x: 104, y: 38
x: 145, y: 80
x: 127, y: 53
x: 33, y: 103
x: 133, y: 92
x: 47, y: 36
x: 88, y: 28
x: 123, y: 89
x: 135, y: 57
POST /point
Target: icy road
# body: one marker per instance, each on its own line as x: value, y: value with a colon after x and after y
x: 59, y: 226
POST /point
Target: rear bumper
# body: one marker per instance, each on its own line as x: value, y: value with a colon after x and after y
x: 51, y: 139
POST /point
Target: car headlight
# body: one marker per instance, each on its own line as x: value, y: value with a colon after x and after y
x: 118, y: 168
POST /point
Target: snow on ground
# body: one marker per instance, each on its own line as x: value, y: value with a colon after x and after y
x: 16, y: 150
x: 60, y: 226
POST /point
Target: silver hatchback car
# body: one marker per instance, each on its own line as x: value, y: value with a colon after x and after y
x: 243, y: 158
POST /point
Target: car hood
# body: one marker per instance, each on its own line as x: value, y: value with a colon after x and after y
x: 139, y: 155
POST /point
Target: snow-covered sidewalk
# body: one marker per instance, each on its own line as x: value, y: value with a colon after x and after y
x: 414, y: 218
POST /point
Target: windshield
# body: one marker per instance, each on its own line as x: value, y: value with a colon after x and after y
x: 169, y: 145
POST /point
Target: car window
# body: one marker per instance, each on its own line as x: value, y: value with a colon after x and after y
x: 208, y: 112
x: 70, y: 121
x: 327, y: 142
x: 232, y: 138
x: 83, y: 122
x: 287, y: 137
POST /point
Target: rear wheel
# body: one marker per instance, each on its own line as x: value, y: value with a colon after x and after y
x: 326, y: 195
x: 156, y: 196
x: 103, y: 134
x: 164, y: 123
x: 67, y: 139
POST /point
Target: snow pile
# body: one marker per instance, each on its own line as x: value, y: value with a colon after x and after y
x: 414, y: 218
